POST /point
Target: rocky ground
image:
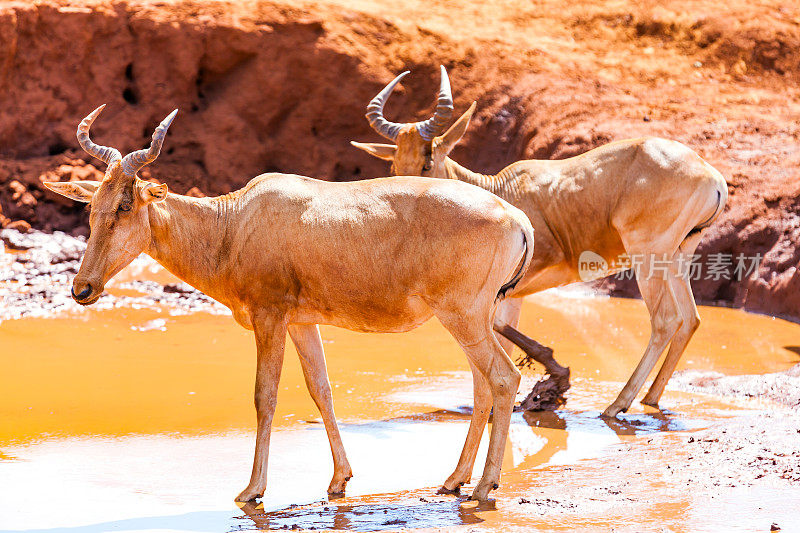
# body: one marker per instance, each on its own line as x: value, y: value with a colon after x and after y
x: 37, y: 268
x: 282, y: 85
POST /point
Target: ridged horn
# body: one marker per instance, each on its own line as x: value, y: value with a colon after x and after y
x: 134, y: 161
x: 436, y: 125
x: 375, y: 111
x: 103, y: 153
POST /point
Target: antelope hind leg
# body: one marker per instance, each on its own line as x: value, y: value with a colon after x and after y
x: 482, y: 406
x: 548, y: 392
x: 681, y: 289
x: 308, y: 342
x: 664, y: 322
x: 485, y: 353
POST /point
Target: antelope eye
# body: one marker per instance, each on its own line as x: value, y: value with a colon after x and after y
x: 124, y: 206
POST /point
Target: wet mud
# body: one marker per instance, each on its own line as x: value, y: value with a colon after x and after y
x: 782, y: 388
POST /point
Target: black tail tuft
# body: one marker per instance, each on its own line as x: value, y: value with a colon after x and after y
x: 512, y: 283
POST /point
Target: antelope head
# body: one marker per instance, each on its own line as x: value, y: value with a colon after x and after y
x: 119, y: 224
x: 420, y: 148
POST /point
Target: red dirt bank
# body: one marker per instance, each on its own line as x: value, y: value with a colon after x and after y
x: 282, y: 85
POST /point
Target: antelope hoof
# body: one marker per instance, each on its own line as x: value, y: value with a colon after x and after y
x: 454, y: 483
x: 652, y: 401
x: 613, y: 410
x: 249, y: 495
x: 481, y: 492
x: 338, y: 484
x: 445, y: 490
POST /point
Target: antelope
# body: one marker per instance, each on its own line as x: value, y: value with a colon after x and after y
x: 286, y: 253
x: 646, y: 199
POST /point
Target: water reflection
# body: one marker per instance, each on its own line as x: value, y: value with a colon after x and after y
x: 795, y: 349
x: 654, y: 421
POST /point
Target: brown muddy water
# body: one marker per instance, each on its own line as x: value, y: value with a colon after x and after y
x: 139, y: 420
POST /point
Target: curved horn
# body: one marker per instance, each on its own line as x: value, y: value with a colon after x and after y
x: 103, y: 153
x: 375, y: 111
x: 444, y: 110
x: 132, y: 162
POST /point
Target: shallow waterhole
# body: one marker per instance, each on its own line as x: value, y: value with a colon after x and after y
x: 137, y: 420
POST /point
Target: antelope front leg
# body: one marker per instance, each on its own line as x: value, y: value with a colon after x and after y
x: 270, y: 342
x: 539, y: 353
x: 312, y: 358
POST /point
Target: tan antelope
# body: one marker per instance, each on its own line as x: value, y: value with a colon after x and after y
x: 649, y: 198
x: 287, y: 252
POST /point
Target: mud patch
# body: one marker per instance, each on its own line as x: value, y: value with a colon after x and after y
x: 387, y: 513
x: 740, y: 473
x: 782, y: 388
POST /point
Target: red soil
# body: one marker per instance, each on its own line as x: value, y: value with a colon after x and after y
x: 283, y: 85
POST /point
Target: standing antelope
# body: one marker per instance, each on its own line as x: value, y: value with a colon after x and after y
x: 648, y: 198
x: 286, y: 253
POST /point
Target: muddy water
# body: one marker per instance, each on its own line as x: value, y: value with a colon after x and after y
x: 138, y: 420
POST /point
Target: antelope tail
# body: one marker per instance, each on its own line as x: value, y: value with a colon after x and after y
x: 527, y: 241
x: 720, y: 205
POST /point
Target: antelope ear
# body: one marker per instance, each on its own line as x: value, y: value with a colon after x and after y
x: 381, y: 151
x: 153, y: 192
x: 80, y: 191
x: 448, y: 140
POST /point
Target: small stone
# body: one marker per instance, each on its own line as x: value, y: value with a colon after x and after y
x: 19, y: 225
x: 195, y: 193
x: 17, y: 189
